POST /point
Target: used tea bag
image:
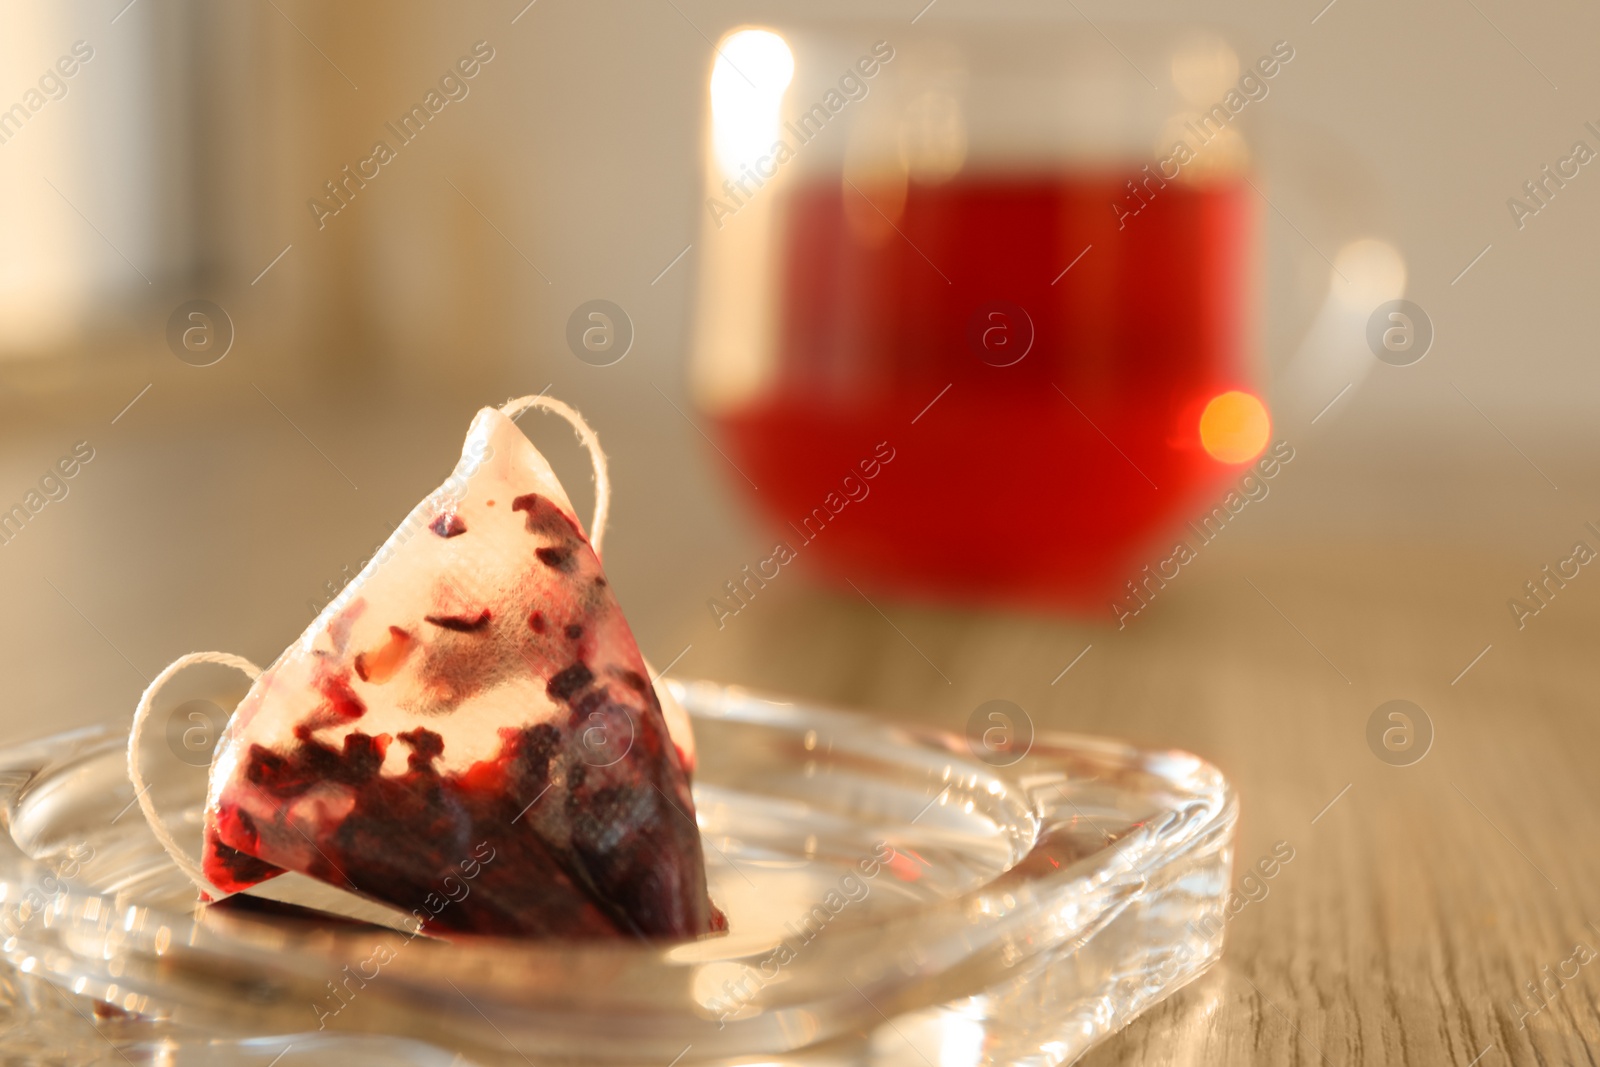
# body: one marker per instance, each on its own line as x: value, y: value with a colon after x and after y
x: 469, y: 732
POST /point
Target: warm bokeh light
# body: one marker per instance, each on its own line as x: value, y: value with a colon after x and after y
x: 1204, y: 67
x: 1367, y: 272
x: 1234, y: 427
x: 753, y: 69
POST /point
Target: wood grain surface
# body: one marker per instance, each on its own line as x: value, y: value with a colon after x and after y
x: 1421, y: 899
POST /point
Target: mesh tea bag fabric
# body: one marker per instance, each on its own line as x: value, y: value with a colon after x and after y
x: 473, y: 702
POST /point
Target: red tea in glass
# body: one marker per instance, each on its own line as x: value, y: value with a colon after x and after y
x: 1032, y: 341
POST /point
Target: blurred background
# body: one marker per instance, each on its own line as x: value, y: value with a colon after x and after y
x: 178, y: 163
x: 217, y: 501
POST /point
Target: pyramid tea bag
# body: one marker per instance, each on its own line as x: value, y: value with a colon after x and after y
x: 468, y: 731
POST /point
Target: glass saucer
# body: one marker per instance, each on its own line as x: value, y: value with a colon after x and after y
x: 891, y: 900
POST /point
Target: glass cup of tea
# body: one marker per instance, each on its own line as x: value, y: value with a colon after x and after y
x: 975, y: 308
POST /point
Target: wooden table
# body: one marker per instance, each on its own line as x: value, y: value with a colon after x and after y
x: 1420, y: 898
x: 1418, y: 903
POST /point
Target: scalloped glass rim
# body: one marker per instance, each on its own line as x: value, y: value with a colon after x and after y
x: 1033, y: 908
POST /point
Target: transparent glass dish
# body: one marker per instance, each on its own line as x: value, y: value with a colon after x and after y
x: 891, y: 900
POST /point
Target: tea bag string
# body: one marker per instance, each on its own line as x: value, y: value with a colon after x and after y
x: 141, y: 789
x: 515, y: 409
